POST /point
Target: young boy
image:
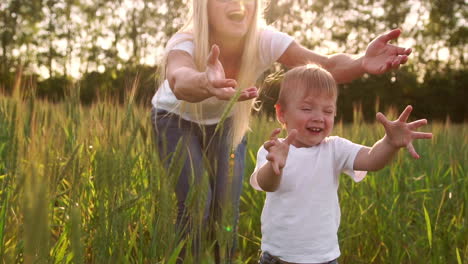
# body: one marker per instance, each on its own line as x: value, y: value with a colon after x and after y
x: 301, y: 214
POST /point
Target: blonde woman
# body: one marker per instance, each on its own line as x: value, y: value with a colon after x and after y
x: 222, y: 49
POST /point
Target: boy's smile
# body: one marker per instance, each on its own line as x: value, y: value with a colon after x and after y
x: 313, y: 118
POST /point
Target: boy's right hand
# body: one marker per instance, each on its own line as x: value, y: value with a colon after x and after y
x: 217, y: 84
x: 278, y: 150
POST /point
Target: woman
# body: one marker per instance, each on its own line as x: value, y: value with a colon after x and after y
x: 217, y: 55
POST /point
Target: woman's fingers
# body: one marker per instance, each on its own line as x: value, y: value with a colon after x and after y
x: 214, y: 54
x: 224, y: 83
x: 248, y: 94
x: 224, y: 89
x: 386, y: 37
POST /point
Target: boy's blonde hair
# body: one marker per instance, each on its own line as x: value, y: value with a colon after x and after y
x: 305, y: 80
x: 197, y: 27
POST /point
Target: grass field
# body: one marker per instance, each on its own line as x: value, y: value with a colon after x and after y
x: 83, y: 185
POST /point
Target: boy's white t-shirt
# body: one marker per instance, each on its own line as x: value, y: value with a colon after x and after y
x: 300, y: 220
x: 272, y: 45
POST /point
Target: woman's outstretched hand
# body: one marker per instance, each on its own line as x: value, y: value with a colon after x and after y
x: 217, y: 84
x: 400, y: 134
x: 381, y: 56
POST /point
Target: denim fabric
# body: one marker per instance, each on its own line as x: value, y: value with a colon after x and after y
x: 200, y: 144
x: 267, y: 258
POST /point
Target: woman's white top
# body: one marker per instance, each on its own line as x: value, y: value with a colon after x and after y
x: 300, y: 220
x: 272, y: 45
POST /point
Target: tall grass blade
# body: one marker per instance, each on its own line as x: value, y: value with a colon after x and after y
x: 428, y: 226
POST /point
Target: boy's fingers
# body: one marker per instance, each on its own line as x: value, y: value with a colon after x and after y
x: 412, y: 151
x: 417, y: 124
x: 382, y: 119
x: 275, y: 133
x: 422, y: 135
x: 267, y: 145
x: 276, y: 168
x: 291, y: 137
x: 270, y: 157
x: 405, y: 114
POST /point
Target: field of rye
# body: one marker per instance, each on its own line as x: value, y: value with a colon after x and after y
x: 84, y: 185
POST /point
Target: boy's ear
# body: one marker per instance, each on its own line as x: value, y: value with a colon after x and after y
x: 279, y: 113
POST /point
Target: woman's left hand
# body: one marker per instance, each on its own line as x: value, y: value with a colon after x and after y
x: 381, y: 56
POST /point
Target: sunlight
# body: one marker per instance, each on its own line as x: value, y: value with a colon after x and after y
x: 443, y: 54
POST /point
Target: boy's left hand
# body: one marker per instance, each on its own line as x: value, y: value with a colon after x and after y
x: 399, y: 133
x: 278, y: 150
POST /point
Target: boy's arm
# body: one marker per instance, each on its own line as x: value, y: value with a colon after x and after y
x: 398, y: 134
x: 268, y: 176
x: 379, y: 58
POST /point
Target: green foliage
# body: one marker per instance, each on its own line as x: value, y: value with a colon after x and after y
x: 441, y: 96
x: 83, y: 184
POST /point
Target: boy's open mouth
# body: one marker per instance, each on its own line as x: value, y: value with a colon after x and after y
x: 315, y: 129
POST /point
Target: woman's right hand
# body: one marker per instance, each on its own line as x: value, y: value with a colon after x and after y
x: 217, y: 84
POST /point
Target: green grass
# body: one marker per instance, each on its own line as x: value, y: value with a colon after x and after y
x: 84, y: 185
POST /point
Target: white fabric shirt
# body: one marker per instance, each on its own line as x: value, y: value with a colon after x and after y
x: 300, y: 220
x: 272, y: 45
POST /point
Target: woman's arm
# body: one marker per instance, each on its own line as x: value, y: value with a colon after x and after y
x: 189, y: 84
x: 379, y: 58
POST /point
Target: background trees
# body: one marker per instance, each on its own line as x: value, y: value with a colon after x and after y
x: 98, y: 46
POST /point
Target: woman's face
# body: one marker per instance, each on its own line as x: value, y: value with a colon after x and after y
x: 230, y: 18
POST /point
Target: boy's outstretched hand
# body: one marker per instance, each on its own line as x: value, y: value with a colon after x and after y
x: 278, y: 150
x: 399, y: 133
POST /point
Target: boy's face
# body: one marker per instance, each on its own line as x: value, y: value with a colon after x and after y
x: 230, y: 18
x: 313, y: 117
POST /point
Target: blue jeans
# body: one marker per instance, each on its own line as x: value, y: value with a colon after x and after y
x: 203, y: 152
x: 267, y: 258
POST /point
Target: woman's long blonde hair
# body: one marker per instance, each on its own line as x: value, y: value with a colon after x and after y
x: 197, y: 26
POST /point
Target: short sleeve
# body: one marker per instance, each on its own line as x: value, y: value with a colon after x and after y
x: 181, y: 41
x: 261, y: 160
x: 345, y: 153
x: 273, y: 44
